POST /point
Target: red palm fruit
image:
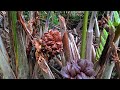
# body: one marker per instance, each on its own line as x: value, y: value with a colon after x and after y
x: 52, y: 42
x: 49, y: 43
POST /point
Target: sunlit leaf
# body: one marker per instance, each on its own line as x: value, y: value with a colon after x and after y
x: 102, y: 41
x: 97, y: 56
x: 117, y: 18
x: 99, y: 51
x: 105, y: 34
x: 101, y: 47
x: 115, y: 23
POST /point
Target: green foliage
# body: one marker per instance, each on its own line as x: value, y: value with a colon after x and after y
x: 117, y: 18
x: 26, y: 15
x: 97, y: 55
x: 43, y: 15
x: 101, y: 47
x: 75, y: 16
x: 99, y: 52
x: 103, y: 39
x: 105, y: 34
x: 54, y: 18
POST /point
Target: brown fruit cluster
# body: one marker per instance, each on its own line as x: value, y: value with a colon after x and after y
x: 80, y: 69
x: 52, y: 43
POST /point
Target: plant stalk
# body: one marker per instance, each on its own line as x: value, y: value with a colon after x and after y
x: 90, y: 37
x: 84, y: 33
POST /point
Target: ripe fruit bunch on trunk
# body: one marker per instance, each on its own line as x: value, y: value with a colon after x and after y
x: 80, y: 69
x: 52, y: 43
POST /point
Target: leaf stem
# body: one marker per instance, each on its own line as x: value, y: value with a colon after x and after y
x: 84, y: 32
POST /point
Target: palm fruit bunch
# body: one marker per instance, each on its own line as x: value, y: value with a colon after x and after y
x: 80, y: 69
x: 52, y: 43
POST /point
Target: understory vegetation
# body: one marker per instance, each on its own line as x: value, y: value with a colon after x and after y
x: 59, y: 45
